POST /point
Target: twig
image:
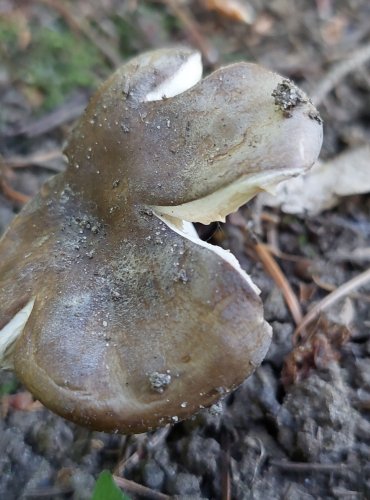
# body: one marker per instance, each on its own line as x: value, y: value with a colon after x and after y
x: 232, y: 9
x: 67, y: 112
x: 34, y: 159
x: 225, y: 467
x: 287, y: 256
x: 306, y: 467
x: 273, y: 269
x: 362, y: 404
x: 332, y: 298
x: 193, y: 29
x: 12, y: 194
x: 151, y: 443
x: 65, y: 10
x: 52, y: 491
x: 353, y: 61
x: 257, y: 445
x: 139, y: 489
x: 328, y: 287
x: 343, y: 492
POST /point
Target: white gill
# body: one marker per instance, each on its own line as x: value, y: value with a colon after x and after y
x: 216, y: 206
x: 11, y: 331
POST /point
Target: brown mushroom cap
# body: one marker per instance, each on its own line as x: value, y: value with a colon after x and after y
x: 110, y: 313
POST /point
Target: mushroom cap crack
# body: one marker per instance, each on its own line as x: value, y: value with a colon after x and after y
x: 111, y: 313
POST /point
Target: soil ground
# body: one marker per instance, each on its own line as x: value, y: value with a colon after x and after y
x: 299, y: 427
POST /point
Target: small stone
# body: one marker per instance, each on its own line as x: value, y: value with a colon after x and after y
x: 153, y: 475
x: 184, y: 484
x: 147, y: 211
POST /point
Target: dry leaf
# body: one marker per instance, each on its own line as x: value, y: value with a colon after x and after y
x: 22, y: 401
x: 322, y: 187
x: 237, y: 10
x: 321, y: 347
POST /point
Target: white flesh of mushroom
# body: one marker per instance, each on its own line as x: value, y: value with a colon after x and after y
x: 188, y: 75
x: 10, y: 332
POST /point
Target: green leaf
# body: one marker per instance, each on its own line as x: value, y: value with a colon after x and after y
x: 8, y: 387
x: 106, y: 488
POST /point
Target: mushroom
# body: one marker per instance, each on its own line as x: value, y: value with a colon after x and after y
x: 113, y: 313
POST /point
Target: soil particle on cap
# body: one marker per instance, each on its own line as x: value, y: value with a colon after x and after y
x: 288, y: 96
x: 182, y: 276
x: 315, y: 115
x: 159, y: 381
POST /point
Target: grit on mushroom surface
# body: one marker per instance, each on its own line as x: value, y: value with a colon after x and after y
x: 113, y: 312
